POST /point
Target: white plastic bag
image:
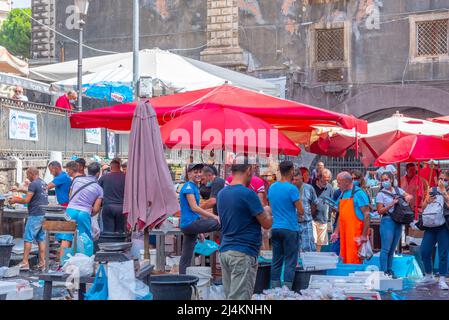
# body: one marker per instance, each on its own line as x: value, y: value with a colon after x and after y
x: 365, y: 250
x: 216, y: 293
x: 79, y: 263
x: 95, y: 226
x: 121, y: 280
x: 138, y: 244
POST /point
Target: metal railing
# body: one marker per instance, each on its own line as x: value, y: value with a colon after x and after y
x: 54, y: 134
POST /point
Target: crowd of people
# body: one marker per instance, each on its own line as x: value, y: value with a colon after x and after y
x: 295, y: 213
x: 84, y: 190
x: 299, y: 211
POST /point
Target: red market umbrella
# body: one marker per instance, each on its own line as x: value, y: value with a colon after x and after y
x: 285, y: 114
x: 415, y: 148
x: 226, y: 129
x: 381, y: 135
x: 150, y: 196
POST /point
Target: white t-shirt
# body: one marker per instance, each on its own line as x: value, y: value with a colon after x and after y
x: 386, y: 199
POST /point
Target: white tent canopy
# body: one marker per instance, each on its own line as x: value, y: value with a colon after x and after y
x: 118, y: 75
x: 180, y: 73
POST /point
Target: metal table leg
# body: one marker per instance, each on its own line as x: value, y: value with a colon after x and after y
x: 160, y: 252
x: 47, y: 253
x: 48, y: 286
x: 82, y: 291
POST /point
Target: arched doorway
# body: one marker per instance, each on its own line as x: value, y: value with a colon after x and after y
x: 380, y: 102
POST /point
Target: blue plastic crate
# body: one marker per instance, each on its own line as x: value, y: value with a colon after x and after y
x: 345, y: 269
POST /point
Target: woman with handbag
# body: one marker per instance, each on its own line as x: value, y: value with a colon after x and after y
x: 390, y: 230
x: 436, y: 233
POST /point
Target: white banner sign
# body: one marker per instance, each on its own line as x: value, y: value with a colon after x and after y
x: 93, y: 136
x: 23, y: 125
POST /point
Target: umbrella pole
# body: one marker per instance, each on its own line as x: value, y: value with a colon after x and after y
x: 417, y: 191
x: 399, y: 174
x: 146, y: 244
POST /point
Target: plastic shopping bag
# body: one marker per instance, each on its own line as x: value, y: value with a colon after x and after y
x: 99, y: 289
x: 142, y: 291
x: 95, y: 226
x: 365, y: 250
x: 84, y: 245
x: 121, y: 280
x: 81, y: 264
x: 206, y: 248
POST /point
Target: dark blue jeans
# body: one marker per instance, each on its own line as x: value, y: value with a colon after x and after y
x: 285, y: 245
x: 390, y: 234
x: 432, y: 236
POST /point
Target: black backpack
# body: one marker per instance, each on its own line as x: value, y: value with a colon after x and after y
x: 402, y: 212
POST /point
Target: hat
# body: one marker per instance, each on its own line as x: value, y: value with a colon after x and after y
x: 193, y: 166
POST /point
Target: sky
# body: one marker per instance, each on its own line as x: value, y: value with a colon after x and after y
x: 21, y: 3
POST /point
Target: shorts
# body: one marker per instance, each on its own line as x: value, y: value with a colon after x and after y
x: 320, y: 233
x: 83, y: 224
x: 33, y: 229
x: 306, y: 240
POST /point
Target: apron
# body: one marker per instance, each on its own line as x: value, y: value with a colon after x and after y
x: 350, y: 228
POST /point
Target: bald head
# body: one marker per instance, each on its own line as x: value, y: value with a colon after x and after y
x: 344, y: 180
x: 32, y: 174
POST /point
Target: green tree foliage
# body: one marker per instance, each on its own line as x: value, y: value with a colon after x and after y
x: 15, y: 33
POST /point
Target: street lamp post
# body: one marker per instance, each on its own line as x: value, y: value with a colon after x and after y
x: 83, y: 7
x: 136, y: 47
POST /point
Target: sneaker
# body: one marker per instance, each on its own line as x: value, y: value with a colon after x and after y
x: 442, y: 284
x: 428, y: 279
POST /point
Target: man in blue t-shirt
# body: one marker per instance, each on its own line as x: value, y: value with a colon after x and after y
x: 287, y: 209
x: 241, y: 215
x: 61, y: 183
x: 194, y: 219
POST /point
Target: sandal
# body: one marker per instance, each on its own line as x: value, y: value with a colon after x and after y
x: 24, y: 267
x: 40, y: 267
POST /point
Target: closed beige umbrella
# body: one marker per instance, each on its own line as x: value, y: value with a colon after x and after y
x: 150, y: 196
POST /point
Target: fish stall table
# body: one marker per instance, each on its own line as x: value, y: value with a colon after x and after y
x: 12, y: 221
x: 160, y: 245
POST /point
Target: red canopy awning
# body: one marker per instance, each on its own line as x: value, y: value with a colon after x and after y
x: 226, y: 129
x: 415, y: 148
x: 284, y: 114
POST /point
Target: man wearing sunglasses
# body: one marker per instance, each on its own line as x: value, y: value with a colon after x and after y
x: 18, y: 94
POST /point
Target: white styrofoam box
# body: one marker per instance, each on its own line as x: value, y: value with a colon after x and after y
x: 19, y: 246
x: 22, y: 294
x: 266, y: 254
x: 384, y: 284
x: 7, y: 287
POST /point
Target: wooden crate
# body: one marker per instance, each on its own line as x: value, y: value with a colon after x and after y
x: 63, y: 226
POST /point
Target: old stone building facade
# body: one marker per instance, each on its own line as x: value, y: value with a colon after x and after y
x: 365, y: 57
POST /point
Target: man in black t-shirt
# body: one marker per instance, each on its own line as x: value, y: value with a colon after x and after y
x: 36, y: 196
x: 113, y: 185
x: 216, y: 184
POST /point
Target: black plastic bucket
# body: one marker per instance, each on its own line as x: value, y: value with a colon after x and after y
x: 263, y: 278
x: 173, y: 287
x: 302, y: 278
x: 5, y: 254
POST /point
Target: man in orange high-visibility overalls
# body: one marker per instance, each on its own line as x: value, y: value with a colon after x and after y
x: 353, y: 220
